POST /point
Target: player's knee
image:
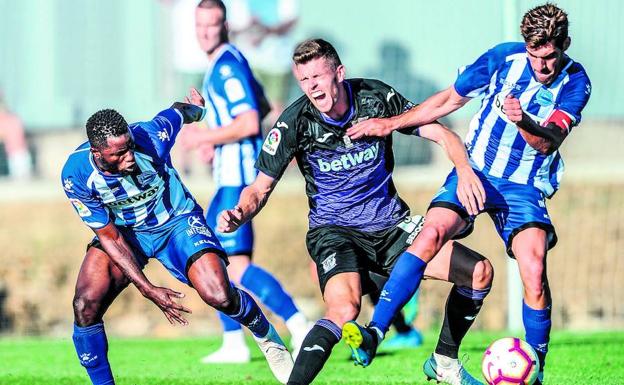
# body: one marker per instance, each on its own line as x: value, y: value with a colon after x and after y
x: 534, y: 280
x: 343, y: 312
x: 482, y: 275
x: 86, y: 309
x: 220, y: 299
x: 432, y: 237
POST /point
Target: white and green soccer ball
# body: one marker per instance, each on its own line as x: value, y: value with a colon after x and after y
x: 510, y: 361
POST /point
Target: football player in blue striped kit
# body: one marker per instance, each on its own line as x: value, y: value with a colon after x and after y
x: 235, y: 105
x: 532, y: 96
x: 123, y: 186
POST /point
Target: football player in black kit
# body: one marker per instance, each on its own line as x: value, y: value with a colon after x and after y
x: 358, y: 223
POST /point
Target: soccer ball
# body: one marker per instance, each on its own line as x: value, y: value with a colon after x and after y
x: 510, y: 361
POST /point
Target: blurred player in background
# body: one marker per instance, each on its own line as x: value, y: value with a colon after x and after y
x: 123, y: 186
x: 358, y: 223
x: 13, y: 137
x: 236, y: 104
x: 533, y: 95
x: 263, y: 30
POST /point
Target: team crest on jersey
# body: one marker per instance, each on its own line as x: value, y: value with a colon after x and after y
x: 234, y: 90
x: 146, y: 177
x: 271, y: 142
x: 163, y: 135
x: 81, y: 208
x: 544, y: 97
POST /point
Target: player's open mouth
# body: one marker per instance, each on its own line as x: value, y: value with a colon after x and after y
x: 318, y: 95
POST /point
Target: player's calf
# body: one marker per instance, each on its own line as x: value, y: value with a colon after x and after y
x: 315, y: 350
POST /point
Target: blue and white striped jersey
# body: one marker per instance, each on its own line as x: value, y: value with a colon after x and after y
x: 494, y: 144
x: 230, y: 89
x: 142, y: 200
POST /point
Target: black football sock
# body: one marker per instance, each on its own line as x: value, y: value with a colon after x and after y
x: 314, y: 352
x: 462, y: 307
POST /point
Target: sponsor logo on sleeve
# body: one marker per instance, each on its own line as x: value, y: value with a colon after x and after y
x: 234, y: 90
x: 271, y: 142
x: 281, y: 125
x: 391, y: 93
x: 81, y: 208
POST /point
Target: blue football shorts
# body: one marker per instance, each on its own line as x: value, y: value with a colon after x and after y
x: 240, y: 242
x: 176, y: 244
x: 512, y: 206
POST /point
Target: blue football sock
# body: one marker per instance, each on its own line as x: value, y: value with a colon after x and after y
x: 537, y: 325
x: 400, y: 287
x: 266, y: 287
x: 229, y: 325
x: 250, y: 315
x: 92, y: 348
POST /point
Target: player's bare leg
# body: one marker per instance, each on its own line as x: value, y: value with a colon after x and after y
x: 342, y: 296
x: 209, y: 277
x: 270, y: 292
x: 99, y: 283
x: 529, y: 247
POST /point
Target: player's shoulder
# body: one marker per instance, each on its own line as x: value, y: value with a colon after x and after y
x: 576, y: 71
x: 229, y: 61
x: 365, y: 84
x: 78, y: 167
x: 296, y: 109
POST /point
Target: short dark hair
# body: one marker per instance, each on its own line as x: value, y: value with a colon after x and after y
x: 315, y: 49
x: 105, y: 124
x: 543, y: 24
x: 207, y: 4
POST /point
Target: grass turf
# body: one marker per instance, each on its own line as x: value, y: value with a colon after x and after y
x: 575, y: 358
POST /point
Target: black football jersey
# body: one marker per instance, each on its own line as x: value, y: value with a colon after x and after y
x: 348, y: 183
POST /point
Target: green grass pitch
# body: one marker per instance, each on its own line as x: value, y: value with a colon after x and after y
x: 575, y: 358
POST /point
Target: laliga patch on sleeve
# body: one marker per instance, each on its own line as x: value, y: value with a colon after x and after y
x: 234, y: 90
x: 272, y: 141
x: 81, y: 208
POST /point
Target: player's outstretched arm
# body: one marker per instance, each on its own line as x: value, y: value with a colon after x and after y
x: 470, y: 190
x: 251, y: 201
x: 435, y: 107
x: 545, y: 139
x: 121, y: 254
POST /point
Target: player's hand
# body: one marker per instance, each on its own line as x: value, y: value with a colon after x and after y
x: 512, y: 108
x: 470, y: 191
x: 194, y: 97
x: 370, y: 127
x: 164, y: 299
x: 230, y: 220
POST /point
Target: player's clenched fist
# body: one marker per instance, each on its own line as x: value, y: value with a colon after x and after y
x: 230, y: 220
x: 512, y: 108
